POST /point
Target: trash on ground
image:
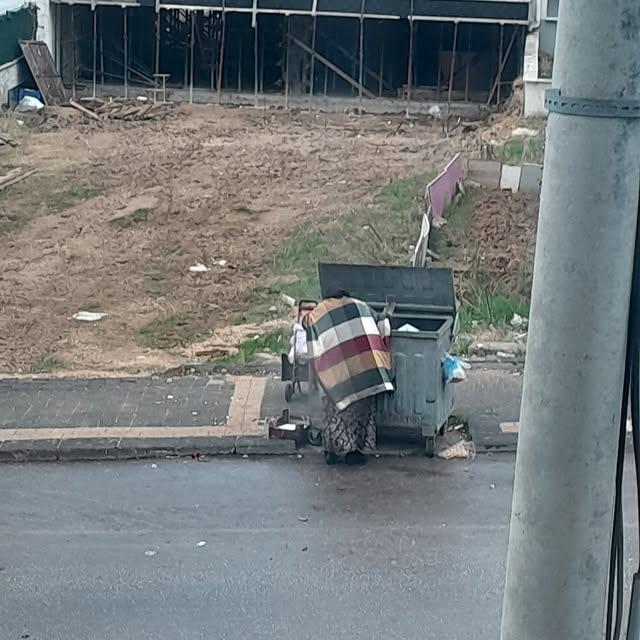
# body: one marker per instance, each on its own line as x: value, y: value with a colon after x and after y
x: 28, y: 104
x: 408, y: 328
x: 198, y: 268
x: 453, y: 369
x: 89, y: 316
x: 169, y: 397
x: 492, y: 486
x: 245, y: 456
x: 154, y: 466
x: 150, y: 553
x: 222, y: 263
x: 505, y: 355
x: 524, y: 132
x: 303, y: 518
x: 201, y: 543
x: 288, y: 300
x: 460, y: 450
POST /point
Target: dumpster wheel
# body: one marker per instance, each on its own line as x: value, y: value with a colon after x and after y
x: 429, y: 446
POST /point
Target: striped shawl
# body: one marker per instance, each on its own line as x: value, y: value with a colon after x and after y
x: 351, y: 360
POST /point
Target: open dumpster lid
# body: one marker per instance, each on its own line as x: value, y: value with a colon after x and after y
x: 423, y: 289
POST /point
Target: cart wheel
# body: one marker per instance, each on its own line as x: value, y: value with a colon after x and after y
x: 314, y: 437
x: 288, y: 392
x: 429, y: 446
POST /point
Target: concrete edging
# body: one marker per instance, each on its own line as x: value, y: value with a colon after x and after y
x: 86, y: 449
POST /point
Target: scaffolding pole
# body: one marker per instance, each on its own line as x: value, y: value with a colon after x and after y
x: 410, y: 61
x: 452, y: 70
x: 499, y: 90
x: 380, y: 75
x: 125, y: 44
x: 505, y: 59
x: 192, y: 43
x: 95, y: 49
x: 157, y: 51
x: 286, y: 65
x: 313, y: 59
x: 221, y: 58
x: 74, y: 53
x: 361, y: 58
x: 101, y: 53
x: 255, y: 60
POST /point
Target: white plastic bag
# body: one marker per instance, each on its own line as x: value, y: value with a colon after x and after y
x: 298, y: 343
x: 454, y: 369
x: 29, y: 103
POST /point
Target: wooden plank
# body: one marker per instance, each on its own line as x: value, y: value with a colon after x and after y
x: 87, y: 112
x: 15, y: 175
x: 327, y: 63
x: 41, y: 65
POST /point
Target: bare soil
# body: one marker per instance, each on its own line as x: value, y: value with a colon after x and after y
x: 118, y: 212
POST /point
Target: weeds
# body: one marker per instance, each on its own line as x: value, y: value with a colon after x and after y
x: 177, y: 330
x: 275, y: 342
x: 131, y: 219
x: 48, y: 365
x: 381, y: 232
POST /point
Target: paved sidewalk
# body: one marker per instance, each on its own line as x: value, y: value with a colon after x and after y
x: 144, y: 417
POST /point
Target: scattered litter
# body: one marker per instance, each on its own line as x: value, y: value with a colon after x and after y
x: 303, y: 518
x: 245, y: 456
x: 20, y: 123
x: 408, y: 328
x: 169, y: 397
x: 150, y: 553
x: 154, y: 466
x: 305, y: 548
x: 201, y: 543
x: 492, y: 486
x: 273, y: 309
x: 518, y: 321
x: 453, y: 369
x: 524, y: 132
x: 198, y: 268
x: 222, y: 263
x: 444, y: 525
x: 142, y: 98
x: 299, y: 456
x: 29, y: 104
x: 288, y: 300
x: 434, y: 110
x: 460, y: 450
x: 510, y: 427
x: 194, y: 413
x: 505, y: 355
x: 89, y: 316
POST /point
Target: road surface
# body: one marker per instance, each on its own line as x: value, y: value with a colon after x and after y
x: 404, y: 548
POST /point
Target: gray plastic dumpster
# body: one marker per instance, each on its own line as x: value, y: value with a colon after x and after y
x: 425, y: 299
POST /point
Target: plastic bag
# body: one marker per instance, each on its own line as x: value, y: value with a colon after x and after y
x: 454, y: 369
x: 298, y: 343
x: 29, y: 103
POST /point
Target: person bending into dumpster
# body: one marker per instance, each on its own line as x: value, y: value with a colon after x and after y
x: 352, y: 363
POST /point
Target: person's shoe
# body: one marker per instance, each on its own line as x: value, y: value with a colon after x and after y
x: 355, y: 458
x: 330, y: 458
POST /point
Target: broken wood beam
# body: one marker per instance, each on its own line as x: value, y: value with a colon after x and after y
x: 337, y: 70
x: 82, y: 109
x: 15, y: 175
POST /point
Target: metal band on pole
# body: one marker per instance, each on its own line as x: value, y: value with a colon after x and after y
x: 590, y: 108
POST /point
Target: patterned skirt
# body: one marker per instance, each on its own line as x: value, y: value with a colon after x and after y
x: 353, y: 429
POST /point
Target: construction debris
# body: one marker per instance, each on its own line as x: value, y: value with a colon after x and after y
x: 10, y: 142
x: 123, y: 109
x: 15, y: 175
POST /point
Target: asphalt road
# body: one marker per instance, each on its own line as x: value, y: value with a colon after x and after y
x: 404, y: 548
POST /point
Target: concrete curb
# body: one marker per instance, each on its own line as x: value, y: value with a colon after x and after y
x: 95, y: 449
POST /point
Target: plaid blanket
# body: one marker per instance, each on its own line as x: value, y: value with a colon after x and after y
x: 350, y: 357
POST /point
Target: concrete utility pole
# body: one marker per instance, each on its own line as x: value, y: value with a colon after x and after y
x: 563, y: 495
